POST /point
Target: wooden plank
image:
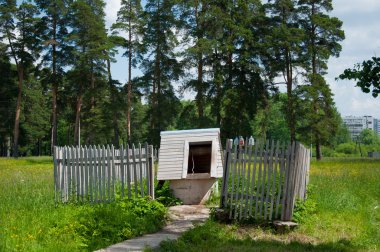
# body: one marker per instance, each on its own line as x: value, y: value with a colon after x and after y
x: 260, y: 160
x: 225, y: 176
x: 263, y: 179
x: 86, y: 165
x: 141, y: 172
x: 243, y: 177
x: 151, y: 169
x: 134, y: 170
x: 269, y: 176
x: 253, y: 176
x: 248, y: 190
x: 109, y: 168
x: 274, y: 169
x: 55, y: 157
x: 91, y: 173
x: 98, y: 176
x: 122, y: 169
x: 62, y: 178
x: 281, y: 177
x: 239, y: 167
x: 293, y: 182
x: 81, y: 171
x: 104, y: 168
x: 148, y: 179
x: 128, y: 171
x: 289, y: 182
x: 234, y: 156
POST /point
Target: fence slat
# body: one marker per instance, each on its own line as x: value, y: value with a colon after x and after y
x: 108, y: 169
x: 233, y: 181
x: 141, y: 172
x: 253, y: 177
x: 274, y: 169
x: 269, y: 175
x: 260, y: 160
x: 128, y: 170
x: 122, y: 170
x: 134, y: 170
x: 247, y: 194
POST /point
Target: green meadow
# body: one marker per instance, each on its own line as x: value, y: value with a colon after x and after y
x: 31, y: 221
x: 345, y: 216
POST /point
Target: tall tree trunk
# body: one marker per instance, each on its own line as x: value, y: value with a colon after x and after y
x: 77, y: 119
x: 92, y: 84
x: 318, y: 149
x: 16, y: 130
x: 289, y: 91
x: 314, y: 72
x: 129, y: 95
x: 200, y: 94
x: 54, y: 87
x: 112, y: 96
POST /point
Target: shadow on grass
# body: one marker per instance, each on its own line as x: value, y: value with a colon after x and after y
x: 217, y: 237
x: 37, y: 160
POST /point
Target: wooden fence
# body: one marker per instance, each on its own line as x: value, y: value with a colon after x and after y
x: 263, y: 181
x: 98, y: 174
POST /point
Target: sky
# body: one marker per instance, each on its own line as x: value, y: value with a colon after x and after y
x: 361, y: 20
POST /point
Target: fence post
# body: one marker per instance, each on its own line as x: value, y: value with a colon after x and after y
x: 151, y: 170
x: 55, y: 156
x: 225, y: 172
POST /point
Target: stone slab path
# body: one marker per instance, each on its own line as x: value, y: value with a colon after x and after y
x: 181, y: 219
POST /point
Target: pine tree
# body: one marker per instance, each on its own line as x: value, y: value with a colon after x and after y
x: 160, y: 65
x: 90, y: 45
x: 8, y: 91
x: 323, y: 34
x: 56, y: 54
x: 129, y: 20
x: 285, y: 50
x: 18, y: 27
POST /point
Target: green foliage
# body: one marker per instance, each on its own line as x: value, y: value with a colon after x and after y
x: 305, y: 209
x: 369, y: 137
x: 165, y: 196
x: 367, y: 75
x: 101, y: 225
x: 347, y: 148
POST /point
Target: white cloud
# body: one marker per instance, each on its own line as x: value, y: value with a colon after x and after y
x: 112, y: 7
x: 360, y: 23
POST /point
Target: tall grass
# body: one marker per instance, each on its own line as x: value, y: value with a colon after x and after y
x: 31, y: 221
x: 27, y: 210
x: 346, y: 216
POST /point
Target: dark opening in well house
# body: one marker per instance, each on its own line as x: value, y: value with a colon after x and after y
x: 199, y: 160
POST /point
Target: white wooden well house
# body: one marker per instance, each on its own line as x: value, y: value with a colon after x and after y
x: 192, y: 161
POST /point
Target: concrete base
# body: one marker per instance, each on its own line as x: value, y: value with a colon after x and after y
x: 283, y: 227
x: 192, y: 191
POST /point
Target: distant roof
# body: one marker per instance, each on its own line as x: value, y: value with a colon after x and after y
x: 175, y: 132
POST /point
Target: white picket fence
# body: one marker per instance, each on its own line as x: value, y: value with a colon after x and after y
x: 263, y: 181
x: 98, y: 174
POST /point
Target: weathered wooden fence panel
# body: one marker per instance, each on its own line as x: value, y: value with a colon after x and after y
x: 98, y: 174
x: 263, y: 181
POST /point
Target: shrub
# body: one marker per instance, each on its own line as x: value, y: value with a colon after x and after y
x: 346, y: 148
x: 304, y: 209
x: 104, y: 224
x: 165, y: 196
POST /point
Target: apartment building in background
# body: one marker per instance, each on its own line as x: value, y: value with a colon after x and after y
x: 376, y: 126
x: 356, y: 124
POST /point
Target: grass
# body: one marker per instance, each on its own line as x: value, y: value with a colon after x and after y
x: 347, y: 216
x: 27, y: 210
x: 30, y: 220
